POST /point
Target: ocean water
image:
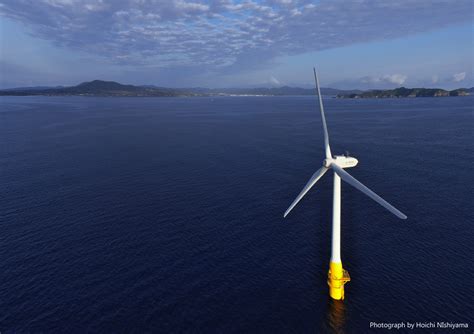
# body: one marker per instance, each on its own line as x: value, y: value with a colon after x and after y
x: 132, y: 215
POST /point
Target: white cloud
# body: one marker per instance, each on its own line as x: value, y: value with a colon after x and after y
x: 435, y: 79
x: 193, y: 6
x: 274, y: 81
x: 457, y: 77
x: 295, y: 12
x: 59, y: 3
x: 226, y: 35
x: 398, y: 79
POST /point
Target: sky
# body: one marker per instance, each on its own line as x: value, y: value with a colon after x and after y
x: 355, y: 44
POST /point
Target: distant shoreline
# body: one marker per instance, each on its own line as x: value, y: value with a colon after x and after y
x: 114, y: 89
x: 403, y: 92
x: 222, y: 95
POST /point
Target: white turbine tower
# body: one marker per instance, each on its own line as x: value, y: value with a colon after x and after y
x: 337, y: 276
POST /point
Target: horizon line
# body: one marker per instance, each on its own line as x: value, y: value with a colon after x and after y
x: 231, y: 87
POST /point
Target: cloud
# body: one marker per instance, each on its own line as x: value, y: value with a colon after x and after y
x: 397, y: 79
x: 435, y: 79
x: 457, y: 77
x: 225, y: 35
x: 274, y: 81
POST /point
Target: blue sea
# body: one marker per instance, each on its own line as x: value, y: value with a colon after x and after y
x: 165, y: 215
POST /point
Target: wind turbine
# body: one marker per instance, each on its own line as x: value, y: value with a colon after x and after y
x: 337, y: 276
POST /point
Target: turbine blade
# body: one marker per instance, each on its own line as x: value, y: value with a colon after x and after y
x: 312, y: 181
x: 321, y: 108
x: 356, y: 184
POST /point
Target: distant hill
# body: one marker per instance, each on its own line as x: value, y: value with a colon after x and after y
x: 408, y: 92
x: 112, y: 88
x: 93, y: 88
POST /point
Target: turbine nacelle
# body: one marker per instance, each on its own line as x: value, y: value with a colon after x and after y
x: 342, y: 161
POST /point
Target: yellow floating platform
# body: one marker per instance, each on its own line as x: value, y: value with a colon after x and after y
x: 337, y: 277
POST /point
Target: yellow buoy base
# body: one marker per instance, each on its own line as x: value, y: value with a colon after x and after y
x: 337, y: 277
